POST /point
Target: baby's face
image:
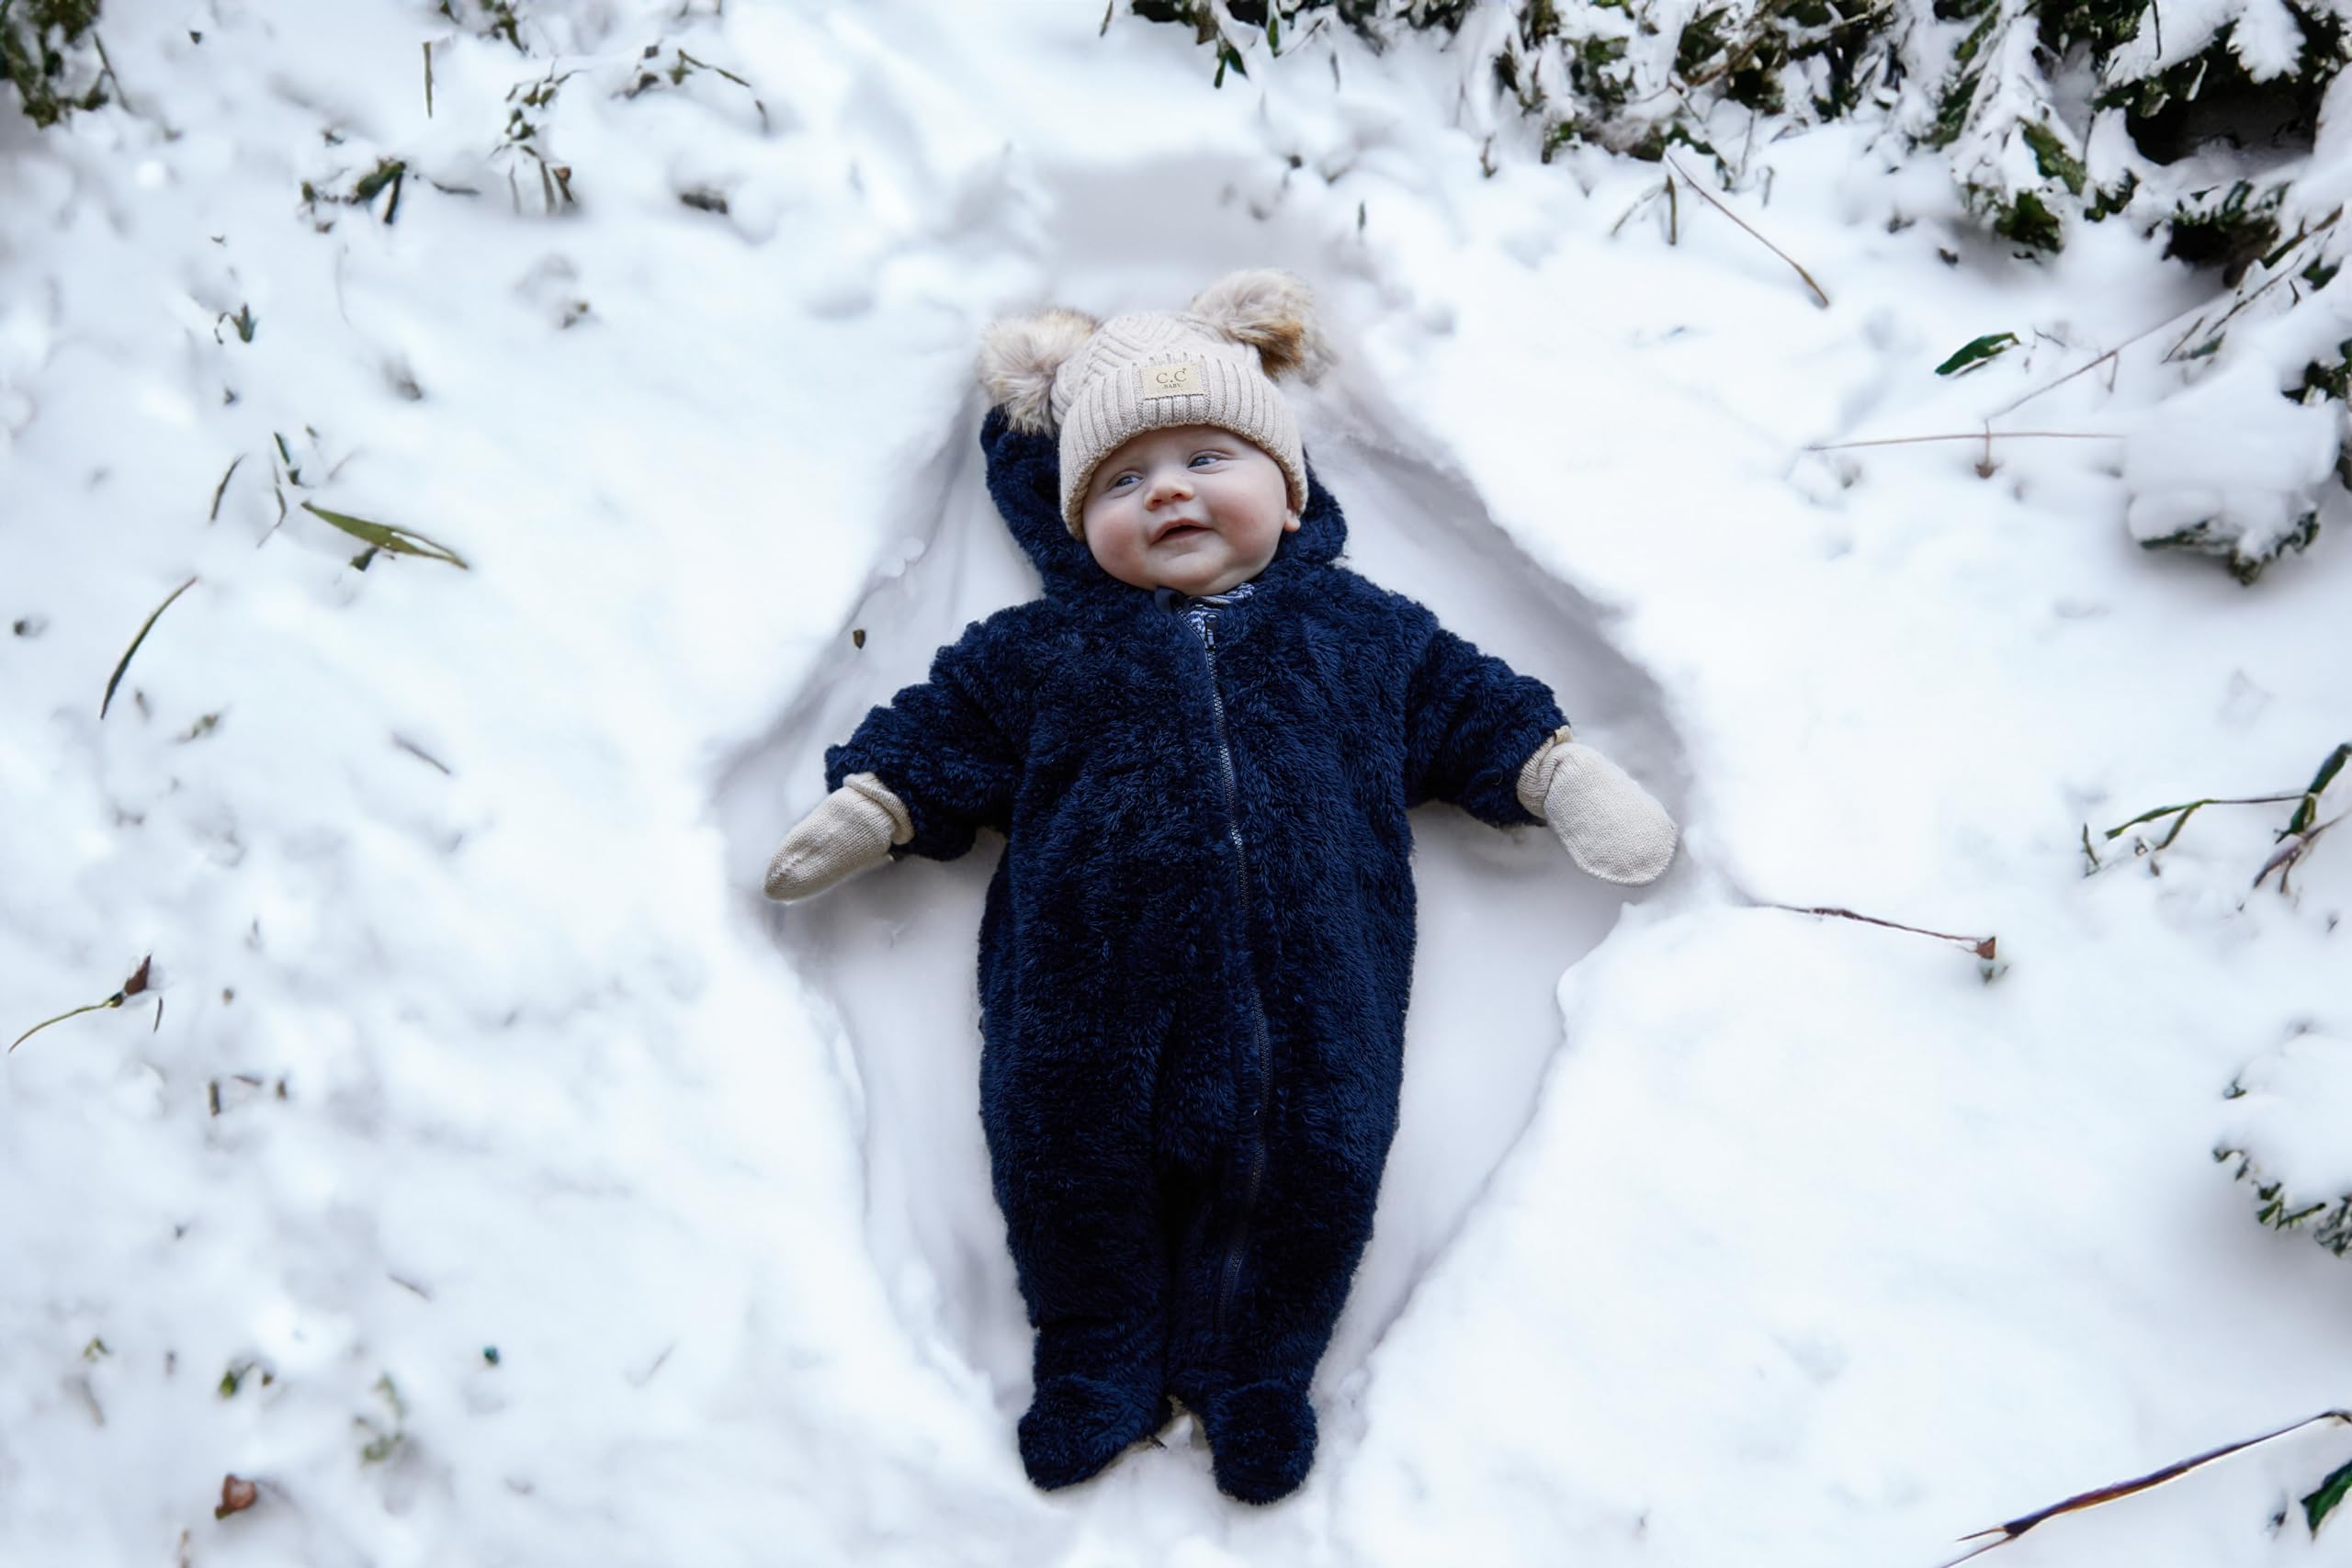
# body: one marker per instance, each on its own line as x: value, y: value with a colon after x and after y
x: 1191, y: 507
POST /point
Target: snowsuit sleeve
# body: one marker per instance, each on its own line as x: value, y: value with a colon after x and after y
x: 1471, y: 721
x: 949, y: 748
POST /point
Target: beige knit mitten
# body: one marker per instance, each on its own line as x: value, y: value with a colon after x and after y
x: 849, y: 829
x: 1613, y: 829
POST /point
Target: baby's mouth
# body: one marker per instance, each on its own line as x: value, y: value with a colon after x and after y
x: 1180, y: 531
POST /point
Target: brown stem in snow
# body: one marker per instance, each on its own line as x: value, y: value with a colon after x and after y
x: 1983, y: 946
x: 1767, y: 244
x: 1972, y: 436
x: 2283, y: 860
x: 2086, y: 369
x: 2003, y: 1534
x: 135, y: 985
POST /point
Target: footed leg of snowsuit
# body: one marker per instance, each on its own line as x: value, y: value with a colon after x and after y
x: 1085, y: 1413
x: 1068, y: 1126
x: 1262, y: 1440
x: 1254, y: 1314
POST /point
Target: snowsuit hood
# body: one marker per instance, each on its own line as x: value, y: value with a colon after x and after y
x: 1196, y: 952
x: 1024, y: 480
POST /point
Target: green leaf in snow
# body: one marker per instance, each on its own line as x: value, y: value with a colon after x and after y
x: 2331, y: 1492
x: 1977, y: 352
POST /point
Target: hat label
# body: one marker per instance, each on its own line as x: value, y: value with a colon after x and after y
x: 1169, y: 380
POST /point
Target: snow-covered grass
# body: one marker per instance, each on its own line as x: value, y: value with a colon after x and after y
x: 1717, y: 1235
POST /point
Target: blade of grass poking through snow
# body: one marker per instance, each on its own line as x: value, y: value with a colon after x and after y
x: 2003, y: 1534
x: 391, y: 172
x: 148, y: 624
x: 2322, y: 1502
x: 685, y: 61
x: 383, y: 536
x: 1978, y: 351
x: 2317, y: 787
x: 222, y: 489
x: 2188, y: 809
x: 120, y: 96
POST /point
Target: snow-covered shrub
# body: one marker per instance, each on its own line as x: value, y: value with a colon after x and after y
x: 2019, y: 163
x: 2227, y: 53
x: 1632, y: 77
x: 2267, y: 370
x: 2285, y: 1128
x: 2054, y: 108
x: 1623, y: 74
x: 495, y: 18
x: 2226, y: 469
x: 2052, y: 113
x: 2049, y: 111
x: 48, y: 55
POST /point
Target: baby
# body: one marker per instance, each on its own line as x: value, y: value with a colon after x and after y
x: 1200, y: 745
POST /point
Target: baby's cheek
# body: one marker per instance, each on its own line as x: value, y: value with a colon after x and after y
x: 1095, y: 535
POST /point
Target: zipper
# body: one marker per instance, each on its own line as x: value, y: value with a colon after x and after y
x: 1202, y: 619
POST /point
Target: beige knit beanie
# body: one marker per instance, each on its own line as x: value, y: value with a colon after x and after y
x: 1101, y: 383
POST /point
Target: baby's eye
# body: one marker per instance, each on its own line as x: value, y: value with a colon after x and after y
x: 1118, y: 483
x: 1213, y: 457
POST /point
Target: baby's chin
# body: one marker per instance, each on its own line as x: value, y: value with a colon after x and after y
x: 1197, y: 571
x: 1196, y: 583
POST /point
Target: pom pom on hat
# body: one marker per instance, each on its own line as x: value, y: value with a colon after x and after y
x: 1019, y: 356
x: 1274, y: 313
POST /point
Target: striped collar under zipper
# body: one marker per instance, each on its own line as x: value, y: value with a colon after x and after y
x: 1168, y: 598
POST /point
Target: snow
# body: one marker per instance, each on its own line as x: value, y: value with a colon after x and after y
x: 2187, y: 30
x: 2295, y: 1100
x: 2266, y: 40
x: 1715, y: 1232
x: 2223, y: 453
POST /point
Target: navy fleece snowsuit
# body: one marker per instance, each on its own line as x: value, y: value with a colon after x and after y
x: 1196, y: 950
